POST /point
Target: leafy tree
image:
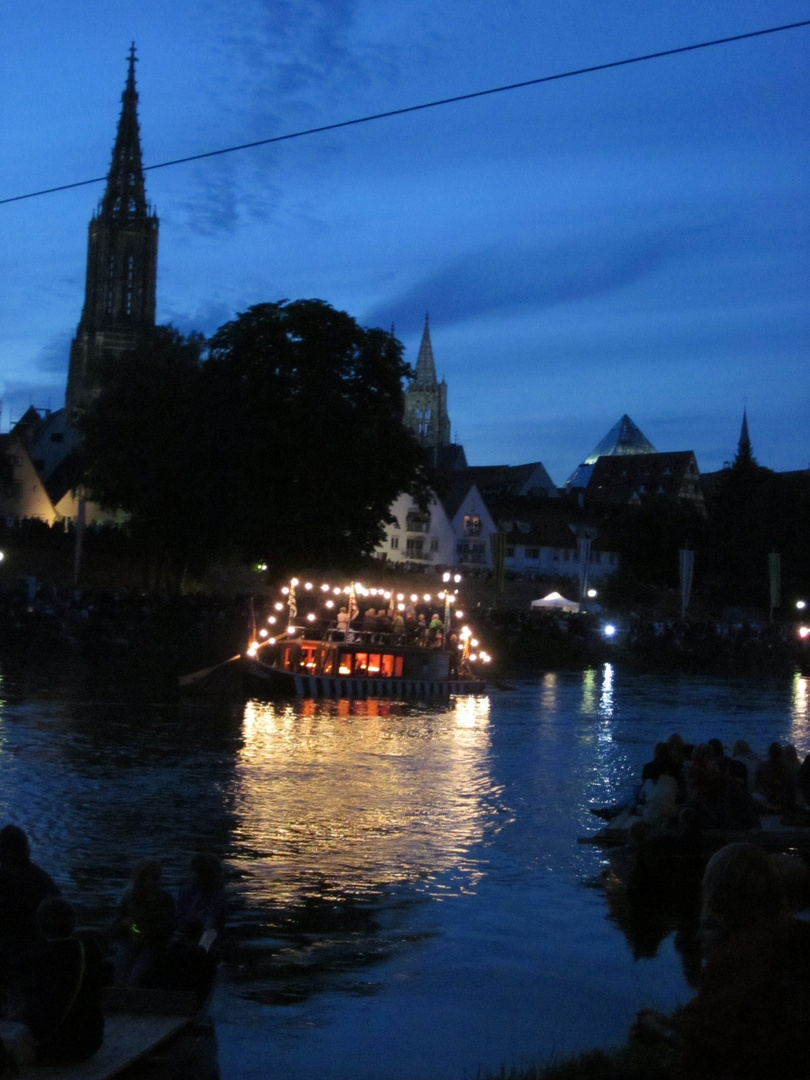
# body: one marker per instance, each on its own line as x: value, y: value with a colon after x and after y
x: 309, y: 446
x: 285, y: 444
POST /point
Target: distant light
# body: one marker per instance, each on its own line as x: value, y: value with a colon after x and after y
x: 329, y: 604
x: 310, y: 617
x: 278, y: 606
x: 592, y: 593
x: 2, y: 556
x: 457, y: 578
x: 446, y: 576
x: 324, y: 588
x: 294, y: 581
x: 262, y: 632
x: 804, y: 631
x: 609, y: 630
x: 308, y: 585
x: 800, y: 604
x: 459, y: 614
x: 286, y: 591
x: 414, y: 597
x: 271, y: 619
x: 291, y: 631
x: 427, y: 597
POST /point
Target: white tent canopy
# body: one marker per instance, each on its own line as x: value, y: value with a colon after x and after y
x: 555, y: 602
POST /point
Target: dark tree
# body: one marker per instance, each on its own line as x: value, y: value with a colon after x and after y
x: 308, y: 441
x: 139, y: 442
x: 284, y: 445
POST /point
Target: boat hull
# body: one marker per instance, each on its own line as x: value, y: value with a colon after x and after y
x: 276, y: 682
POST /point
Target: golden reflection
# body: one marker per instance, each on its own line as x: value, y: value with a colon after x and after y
x: 471, y: 711
x: 588, y: 707
x: 349, y: 796
x: 801, y: 708
x: 548, y: 691
x: 606, y: 697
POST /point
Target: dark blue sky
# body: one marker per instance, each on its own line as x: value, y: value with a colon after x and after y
x: 633, y: 240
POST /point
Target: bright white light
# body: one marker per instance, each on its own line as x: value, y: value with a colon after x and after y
x: 804, y: 631
x: 291, y: 631
x: 308, y: 585
x: 324, y: 588
x: 262, y: 632
x: 271, y: 619
x: 310, y: 617
x: 294, y: 581
x: 609, y: 630
x: 800, y: 604
x: 330, y: 604
x: 446, y: 576
x: 427, y: 597
x: 414, y: 597
x: 286, y: 591
x: 278, y: 606
x: 459, y: 614
x: 592, y: 593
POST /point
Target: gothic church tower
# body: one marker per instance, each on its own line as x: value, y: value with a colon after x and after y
x: 426, y: 400
x: 119, y: 299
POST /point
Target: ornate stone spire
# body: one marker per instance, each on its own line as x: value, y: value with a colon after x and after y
x: 120, y: 287
x: 124, y: 199
x: 425, y: 375
x: 426, y: 400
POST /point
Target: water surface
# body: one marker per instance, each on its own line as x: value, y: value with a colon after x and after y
x: 409, y: 897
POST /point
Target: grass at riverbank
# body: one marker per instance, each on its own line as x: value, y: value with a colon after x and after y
x: 634, y: 1060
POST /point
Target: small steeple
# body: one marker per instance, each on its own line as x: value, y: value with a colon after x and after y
x: 744, y: 454
x: 424, y: 377
x: 124, y: 199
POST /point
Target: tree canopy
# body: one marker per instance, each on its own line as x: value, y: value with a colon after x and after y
x: 284, y: 444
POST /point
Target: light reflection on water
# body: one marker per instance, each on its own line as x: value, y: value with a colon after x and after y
x: 421, y: 858
x: 353, y: 797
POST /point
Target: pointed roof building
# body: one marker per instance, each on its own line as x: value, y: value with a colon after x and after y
x: 120, y: 286
x: 623, y: 438
x: 426, y: 401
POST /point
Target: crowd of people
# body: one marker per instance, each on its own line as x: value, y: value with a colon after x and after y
x: 702, y: 786
x: 52, y: 976
x: 406, y: 627
x: 752, y: 1007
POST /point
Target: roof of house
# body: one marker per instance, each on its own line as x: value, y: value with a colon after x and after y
x: 634, y: 477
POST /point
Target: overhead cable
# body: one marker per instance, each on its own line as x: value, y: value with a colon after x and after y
x: 425, y: 105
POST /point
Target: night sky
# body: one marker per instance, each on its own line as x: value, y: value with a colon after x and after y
x: 625, y: 241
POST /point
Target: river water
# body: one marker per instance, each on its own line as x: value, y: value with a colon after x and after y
x: 409, y: 899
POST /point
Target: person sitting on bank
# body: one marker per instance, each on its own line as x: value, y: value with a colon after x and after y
x: 753, y: 1002
x: 201, y: 915
x: 144, y: 926
x: 23, y: 887
x: 62, y: 1007
x: 774, y: 783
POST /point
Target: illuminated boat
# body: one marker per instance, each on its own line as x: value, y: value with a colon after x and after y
x: 314, y: 657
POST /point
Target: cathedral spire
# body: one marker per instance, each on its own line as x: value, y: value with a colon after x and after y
x: 124, y: 199
x: 425, y: 375
x: 120, y: 286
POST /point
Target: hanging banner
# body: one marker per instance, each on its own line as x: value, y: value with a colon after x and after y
x: 775, y: 574
x: 686, y: 561
x: 584, y: 557
x: 497, y: 547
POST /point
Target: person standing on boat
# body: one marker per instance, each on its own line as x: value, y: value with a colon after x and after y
x: 435, y: 631
x: 343, y: 620
x: 369, y: 624
x: 398, y: 627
